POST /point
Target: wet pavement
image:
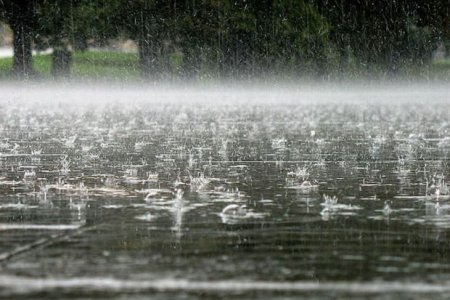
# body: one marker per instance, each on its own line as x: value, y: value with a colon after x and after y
x: 175, y: 200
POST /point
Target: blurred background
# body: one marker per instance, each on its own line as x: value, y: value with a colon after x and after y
x: 221, y: 39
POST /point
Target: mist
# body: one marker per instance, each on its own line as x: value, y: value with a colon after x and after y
x: 249, y: 149
x: 229, y: 93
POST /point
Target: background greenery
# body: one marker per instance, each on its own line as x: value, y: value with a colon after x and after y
x: 207, y: 39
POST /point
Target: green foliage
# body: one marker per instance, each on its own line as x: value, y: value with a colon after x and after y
x: 301, y: 32
x: 72, y: 24
x: 191, y: 38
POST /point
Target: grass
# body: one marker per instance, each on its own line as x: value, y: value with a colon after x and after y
x: 5, y: 66
x: 95, y: 64
x: 441, y: 67
x: 87, y: 65
x: 125, y: 66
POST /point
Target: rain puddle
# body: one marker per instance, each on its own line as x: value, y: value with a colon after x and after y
x: 276, y: 195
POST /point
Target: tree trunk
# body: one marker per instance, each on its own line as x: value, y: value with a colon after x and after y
x: 61, y: 62
x: 22, y: 41
x: 146, y: 57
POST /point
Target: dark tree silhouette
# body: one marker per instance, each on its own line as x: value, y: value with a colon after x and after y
x: 20, y: 15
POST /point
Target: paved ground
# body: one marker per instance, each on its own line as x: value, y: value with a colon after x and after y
x: 8, y: 52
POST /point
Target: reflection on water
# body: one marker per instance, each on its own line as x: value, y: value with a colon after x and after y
x: 310, y: 199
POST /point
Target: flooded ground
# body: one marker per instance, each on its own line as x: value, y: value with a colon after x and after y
x: 215, y: 195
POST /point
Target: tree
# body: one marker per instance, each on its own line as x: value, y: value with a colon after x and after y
x: 300, y: 37
x: 20, y: 15
x: 142, y: 21
x: 267, y: 36
x: 385, y: 33
x: 55, y: 31
x: 65, y: 26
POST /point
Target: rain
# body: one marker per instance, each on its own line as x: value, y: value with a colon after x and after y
x: 224, y: 150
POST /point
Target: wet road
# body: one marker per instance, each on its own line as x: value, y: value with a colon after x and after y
x: 214, y: 201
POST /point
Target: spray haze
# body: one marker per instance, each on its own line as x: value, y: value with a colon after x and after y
x: 282, y: 93
x: 224, y: 149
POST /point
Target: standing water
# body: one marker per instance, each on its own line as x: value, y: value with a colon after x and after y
x: 225, y: 194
